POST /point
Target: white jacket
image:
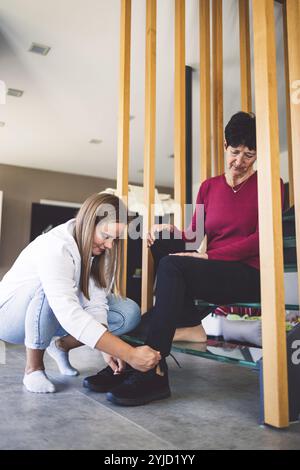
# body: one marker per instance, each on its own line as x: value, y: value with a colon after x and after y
x: 53, y: 261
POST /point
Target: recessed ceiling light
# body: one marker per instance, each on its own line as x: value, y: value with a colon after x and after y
x: 96, y: 141
x: 2, y: 124
x: 39, y: 49
x: 14, y: 92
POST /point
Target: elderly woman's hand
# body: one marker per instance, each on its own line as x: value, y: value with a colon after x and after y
x: 156, y: 229
x: 194, y: 254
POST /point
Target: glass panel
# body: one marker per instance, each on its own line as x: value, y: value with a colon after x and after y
x: 221, y: 351
x: 201, y: 303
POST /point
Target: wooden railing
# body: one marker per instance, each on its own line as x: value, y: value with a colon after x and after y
x: 271, y: 257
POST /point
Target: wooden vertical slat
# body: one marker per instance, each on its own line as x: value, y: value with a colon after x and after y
x: 180, y: 114
x: 149, y: 156
x: 288, y: 108
x: 245, y: 56
x: 293, y: 35
x: 218, y: 100
x: 205, y: 90
x: 124, y: 115
x: 270, y: 217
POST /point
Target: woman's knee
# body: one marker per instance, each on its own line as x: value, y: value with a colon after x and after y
x: 168, y: 263
x: 123, y: 316
x: 40, y: 322
x: 162, y: 245
x: 13, y: 316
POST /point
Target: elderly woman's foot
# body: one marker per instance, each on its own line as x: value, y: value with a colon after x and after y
x: 194, y: 334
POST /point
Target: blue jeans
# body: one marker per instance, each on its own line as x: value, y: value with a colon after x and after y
x: 27, y: 318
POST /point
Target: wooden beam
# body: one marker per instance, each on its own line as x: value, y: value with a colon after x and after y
x: 218, y: 100
x: 180, y: 114
x: 293, y: 41
x: 270, y: 217
x: 245, y: 56
x: 124, y: 115
x: 288, y: 108
x: 205, y: 91
x: 149, y: 156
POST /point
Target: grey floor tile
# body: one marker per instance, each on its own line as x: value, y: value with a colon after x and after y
x: 213, y: 406
x: 67, y: 419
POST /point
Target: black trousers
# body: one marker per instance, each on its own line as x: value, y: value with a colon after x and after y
x: 180, y: 280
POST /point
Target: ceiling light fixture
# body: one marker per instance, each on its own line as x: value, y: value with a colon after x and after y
x: 96, y: 141
x: 2, y: 124
x: 39, y: 49
x: 14, y: 92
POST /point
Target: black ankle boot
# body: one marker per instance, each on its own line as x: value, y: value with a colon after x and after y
x: 140, y: 388
x: 105, y: 380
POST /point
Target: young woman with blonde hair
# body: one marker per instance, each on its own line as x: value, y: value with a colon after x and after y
x: 66, y: 283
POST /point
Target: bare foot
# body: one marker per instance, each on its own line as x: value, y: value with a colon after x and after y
x: 194, y: 334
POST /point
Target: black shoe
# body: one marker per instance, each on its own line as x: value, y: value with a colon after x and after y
x: 140, y: 388
x: 105, y: 380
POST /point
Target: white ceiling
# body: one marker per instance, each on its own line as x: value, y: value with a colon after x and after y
x: 71, y: 95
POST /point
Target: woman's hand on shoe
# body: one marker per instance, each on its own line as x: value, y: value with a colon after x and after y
x: 144, y: 358
x: 156, y: 229
x: 116, y: 364
x: 194, y: 254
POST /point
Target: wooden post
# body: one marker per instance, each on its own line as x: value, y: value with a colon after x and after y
x: 293, y: 40
x: 149, y: 157
x: 217, y: 44
x: 288, y: 107
x: 245, y: 56
x: 124, y: 115
x: 205, y: 91
x: 180, y: 114
x: 270, y: 217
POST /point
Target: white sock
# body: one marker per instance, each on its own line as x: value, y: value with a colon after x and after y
x: 38, y: 382
x: 62, y: 359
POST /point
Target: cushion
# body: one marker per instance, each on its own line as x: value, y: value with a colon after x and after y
x: 244, y: 331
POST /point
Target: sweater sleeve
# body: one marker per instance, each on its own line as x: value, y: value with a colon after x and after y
x: 56, y: 271
x: 242, y: 249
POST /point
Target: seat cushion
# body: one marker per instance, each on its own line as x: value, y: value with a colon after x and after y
x: 244, y: 331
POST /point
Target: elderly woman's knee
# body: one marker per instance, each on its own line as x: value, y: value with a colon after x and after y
x: 167, y: 262
x: 156, y: 249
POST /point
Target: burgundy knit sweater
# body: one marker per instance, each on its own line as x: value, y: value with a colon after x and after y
x: 230, y: 219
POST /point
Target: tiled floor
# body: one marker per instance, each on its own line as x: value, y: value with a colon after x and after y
x: 213, y: 406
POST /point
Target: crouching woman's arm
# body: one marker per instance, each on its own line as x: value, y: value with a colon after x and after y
x: 56, y: 271
x: 142, y: 358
